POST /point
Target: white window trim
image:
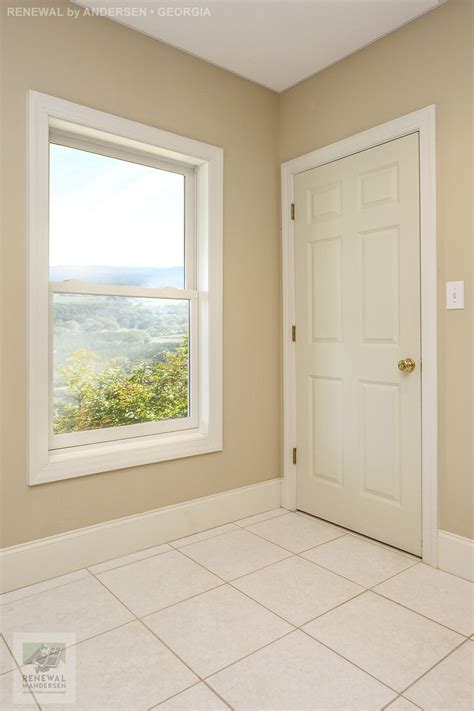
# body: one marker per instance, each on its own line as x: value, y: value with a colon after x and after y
x: 45, y: 465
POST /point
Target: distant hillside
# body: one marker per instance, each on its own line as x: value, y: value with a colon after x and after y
x: 132, y: 276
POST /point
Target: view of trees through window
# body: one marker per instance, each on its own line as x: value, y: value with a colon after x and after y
x: 117, y: 359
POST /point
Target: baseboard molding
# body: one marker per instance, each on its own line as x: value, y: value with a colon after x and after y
x: 39, y: 560
x: 456, y: 555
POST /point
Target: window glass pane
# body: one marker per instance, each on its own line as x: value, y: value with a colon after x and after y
x: 114, y: 222
x: 118, y: 360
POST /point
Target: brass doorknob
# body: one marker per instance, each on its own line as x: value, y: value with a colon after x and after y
x: 406, y: 365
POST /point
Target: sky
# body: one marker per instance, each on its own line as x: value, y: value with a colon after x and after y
x: 108, y: 212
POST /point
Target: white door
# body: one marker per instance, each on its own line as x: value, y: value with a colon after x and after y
x: 358, y: 419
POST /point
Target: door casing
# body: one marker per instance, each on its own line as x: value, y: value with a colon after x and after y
x: 423, y: 122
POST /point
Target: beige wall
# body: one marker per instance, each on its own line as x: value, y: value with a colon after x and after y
x: 99, y: 63
x: 427, y: 62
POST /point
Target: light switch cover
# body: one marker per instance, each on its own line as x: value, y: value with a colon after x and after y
x: 454, y: 294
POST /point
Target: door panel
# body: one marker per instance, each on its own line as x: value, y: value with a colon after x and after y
x: 357, y: 268
x: 326, y: 429
x: 324, y: 257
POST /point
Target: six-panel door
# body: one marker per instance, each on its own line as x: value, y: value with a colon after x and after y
x: 357, y: 261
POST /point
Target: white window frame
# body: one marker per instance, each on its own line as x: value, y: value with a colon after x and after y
x: 57, y: 457
x: 188, y: 293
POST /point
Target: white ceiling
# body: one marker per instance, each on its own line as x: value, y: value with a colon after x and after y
x: 276, y: 43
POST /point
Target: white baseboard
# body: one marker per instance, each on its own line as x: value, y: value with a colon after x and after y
x: 456, y: 555
x: 39, y: 560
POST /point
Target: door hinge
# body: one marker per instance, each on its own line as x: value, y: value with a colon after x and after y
x: 292, y: 210
x: 293, y: 334
x: 294, y: 455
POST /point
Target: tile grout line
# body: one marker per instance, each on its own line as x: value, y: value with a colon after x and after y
x: 343, y: 535
x: 268, y: 540
x: 324, y: 543
x: 178, y: 602
x: 251, y: 572
x: 387, y: 706
x: 407, y: 688
x: 7, y: 671
x: 213, y: 691
x: 246, y: 656
x: 411, y: 702
x: 229, y: 523
x: 229, y: 584
x: 247, y: 529
x: 202, y: 540
x: 40, y: 592
x: 270, y: 518
x: 197, y: 683
x: 321, y: 614
x: 173, y: 696
x: 319, y: 565
x: 17, y: 668
x: 234, y: 521
x: 430, y: 619
x: 172, y: 604
x: 385, y: 580
x: 130, y: 562
x: 334, y: 651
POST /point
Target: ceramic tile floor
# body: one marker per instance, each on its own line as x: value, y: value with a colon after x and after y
x: 276, y: 611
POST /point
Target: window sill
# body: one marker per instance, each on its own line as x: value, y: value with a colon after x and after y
x: 94, y: 458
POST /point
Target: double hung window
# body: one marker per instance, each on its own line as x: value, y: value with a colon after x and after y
x: 125, y: 291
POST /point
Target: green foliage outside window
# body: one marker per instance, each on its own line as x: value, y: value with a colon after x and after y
x: 110, y: 395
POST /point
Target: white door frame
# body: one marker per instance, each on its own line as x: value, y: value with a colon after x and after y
x: 423, y: 122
